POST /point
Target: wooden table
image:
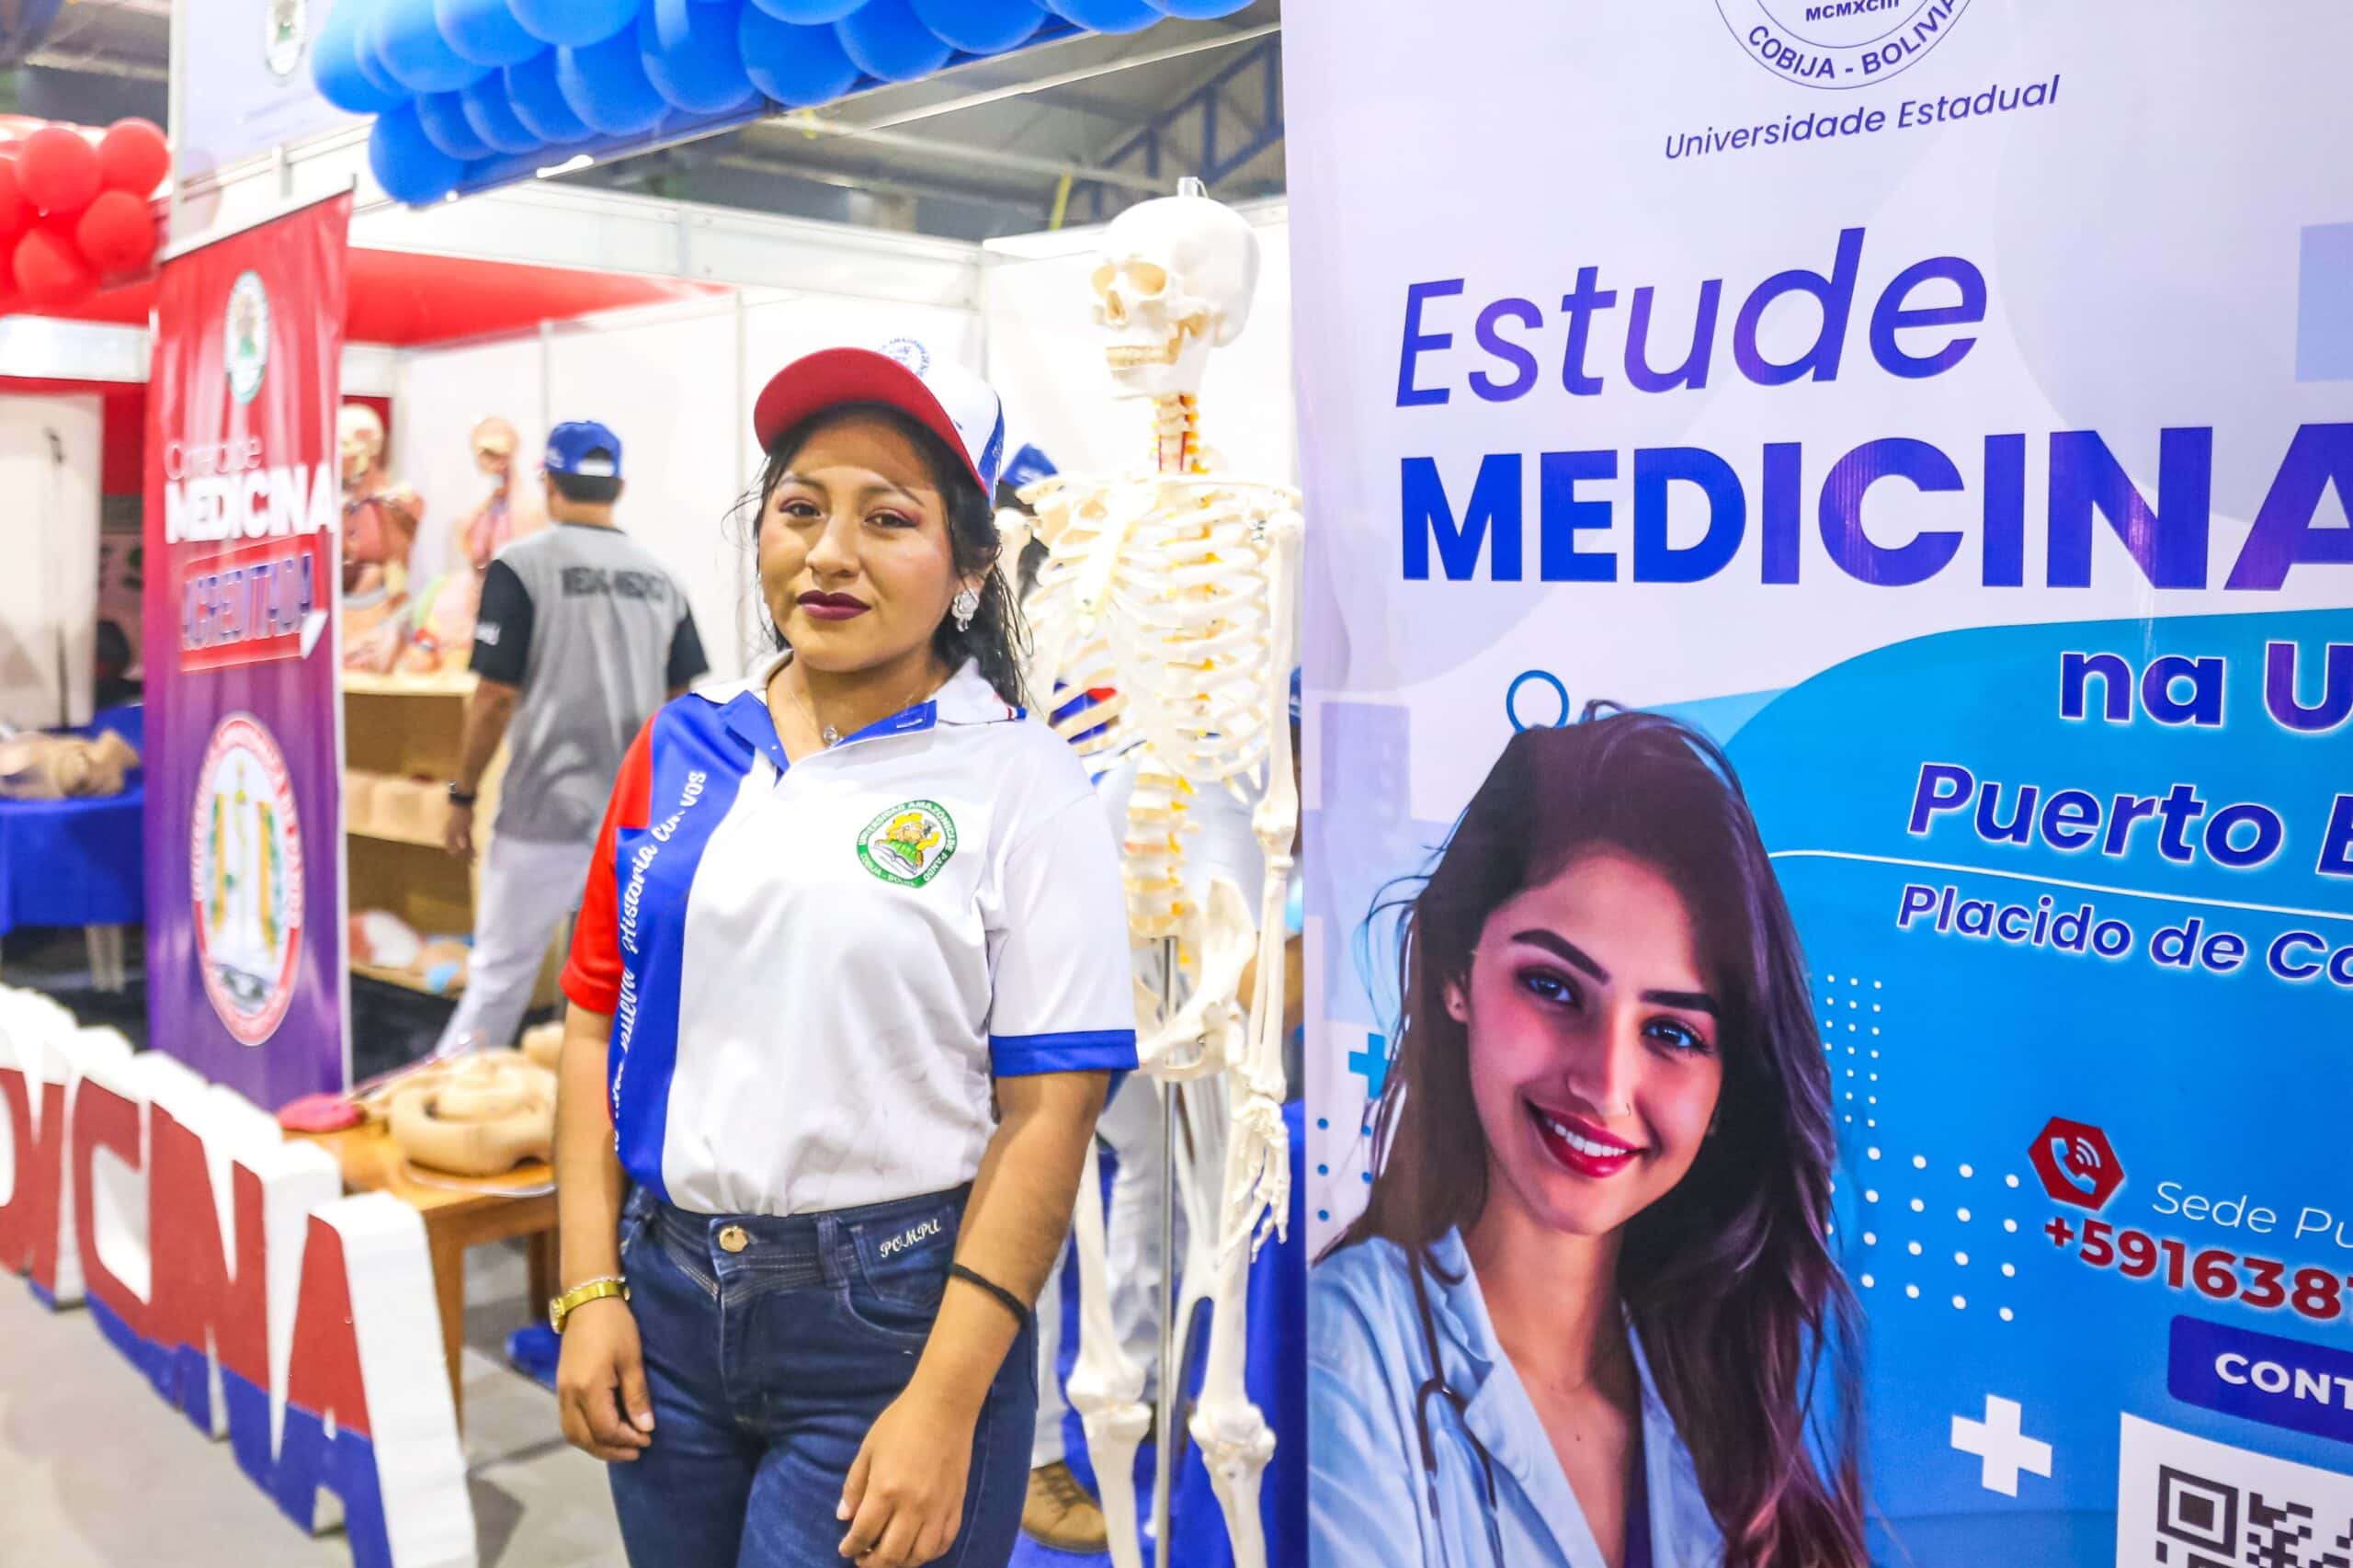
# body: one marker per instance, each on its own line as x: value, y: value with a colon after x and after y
x: 463, y: 1214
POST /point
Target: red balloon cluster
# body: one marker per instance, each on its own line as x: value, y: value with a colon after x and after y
x: 74, y: 214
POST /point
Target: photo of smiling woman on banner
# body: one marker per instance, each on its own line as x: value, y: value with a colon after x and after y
x: 1590, y: 1316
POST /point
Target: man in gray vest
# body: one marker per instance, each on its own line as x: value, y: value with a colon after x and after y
x: 581, y: 637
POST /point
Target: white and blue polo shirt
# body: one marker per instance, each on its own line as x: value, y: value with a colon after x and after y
x: 816, y: 968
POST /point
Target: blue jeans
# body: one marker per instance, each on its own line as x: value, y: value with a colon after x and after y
x: 768, y: 1364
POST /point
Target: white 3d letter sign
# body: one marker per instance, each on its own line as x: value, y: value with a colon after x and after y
x: 224, y: 1263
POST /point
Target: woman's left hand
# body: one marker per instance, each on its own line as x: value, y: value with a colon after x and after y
x: 904, y: 1499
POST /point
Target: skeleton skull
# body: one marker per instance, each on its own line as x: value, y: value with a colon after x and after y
x: 359, y: 434
x: 1174, y: 280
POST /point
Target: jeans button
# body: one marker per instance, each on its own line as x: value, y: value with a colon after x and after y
x: 734, y: 1238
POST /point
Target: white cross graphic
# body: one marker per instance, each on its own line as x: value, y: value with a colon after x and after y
x: 2004, y: 1446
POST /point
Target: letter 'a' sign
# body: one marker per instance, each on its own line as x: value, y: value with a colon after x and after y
x: 225, y: 1266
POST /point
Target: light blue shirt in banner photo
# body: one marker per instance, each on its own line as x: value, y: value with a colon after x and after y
x: 1369, y: 1494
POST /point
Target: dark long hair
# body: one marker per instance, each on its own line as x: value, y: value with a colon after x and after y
x: 1729, y: 1277
x: 999, y: 638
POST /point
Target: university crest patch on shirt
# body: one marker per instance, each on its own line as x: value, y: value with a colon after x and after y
x: 909, y: 843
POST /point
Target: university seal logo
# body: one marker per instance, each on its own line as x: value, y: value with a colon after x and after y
x: 285, y: 30
x: 909, y: 843
x: 1839, y: 44
x: 245, y: 336
x: 245, y: 873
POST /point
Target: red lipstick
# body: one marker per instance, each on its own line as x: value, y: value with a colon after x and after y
x: 833, y: 607
x: 1579, y: 1146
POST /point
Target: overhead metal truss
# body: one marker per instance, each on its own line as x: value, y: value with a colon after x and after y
x: 1222, y: 126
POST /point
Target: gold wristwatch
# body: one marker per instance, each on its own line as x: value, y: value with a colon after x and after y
x: 579, y: 1296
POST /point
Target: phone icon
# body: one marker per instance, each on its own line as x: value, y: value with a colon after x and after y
x: 2078, y: 1164
x: 2078, y: 1161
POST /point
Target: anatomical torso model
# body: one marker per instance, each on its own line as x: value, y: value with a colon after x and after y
x: 444, y: 617
x: 1171, y: 592
x: 511, y: 510
x: 380, y: 520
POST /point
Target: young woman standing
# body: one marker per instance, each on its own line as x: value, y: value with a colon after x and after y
x: 850, y: 979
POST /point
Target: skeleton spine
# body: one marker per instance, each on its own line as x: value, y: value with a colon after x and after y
x: 1176, y: 435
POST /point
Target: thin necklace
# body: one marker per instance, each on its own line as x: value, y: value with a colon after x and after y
x: 827, y: 733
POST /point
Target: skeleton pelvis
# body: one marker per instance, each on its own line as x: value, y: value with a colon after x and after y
x: 1206, y: 1030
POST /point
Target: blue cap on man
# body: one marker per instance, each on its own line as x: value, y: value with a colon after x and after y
x: 586, y: 448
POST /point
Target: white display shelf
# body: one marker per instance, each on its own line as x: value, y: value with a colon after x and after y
x: 404, y: 980
x: 364, y: 683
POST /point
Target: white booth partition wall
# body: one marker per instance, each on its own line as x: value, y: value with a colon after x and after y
x: 666, y: 383
x: 1046, y: 357
x: 49, y: 598
x: 437, y: 395
x: 676, y: 382
x: 663, y: 379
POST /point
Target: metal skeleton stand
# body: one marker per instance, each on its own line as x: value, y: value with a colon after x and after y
x: 1162, y: 1466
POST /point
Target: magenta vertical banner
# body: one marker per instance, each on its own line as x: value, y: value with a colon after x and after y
x: 245, y: 806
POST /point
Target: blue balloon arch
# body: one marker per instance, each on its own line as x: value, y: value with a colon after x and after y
x: 471, y: 93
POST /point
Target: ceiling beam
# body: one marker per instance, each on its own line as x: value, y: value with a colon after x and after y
x: 882, y: 184
x: 96, y: 66
x: 1124, y: 113
x: 767, y: 135
x: 1058, y: 79
x: 1194, y: 86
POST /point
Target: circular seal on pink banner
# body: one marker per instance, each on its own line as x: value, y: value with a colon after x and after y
x: 246, y: 878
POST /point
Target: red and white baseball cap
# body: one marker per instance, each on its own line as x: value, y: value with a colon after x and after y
x: 903, y: 373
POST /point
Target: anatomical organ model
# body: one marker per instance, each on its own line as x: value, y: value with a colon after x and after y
x: 1176, y: 590
x: 61, y: 767
x: 472, y: 1114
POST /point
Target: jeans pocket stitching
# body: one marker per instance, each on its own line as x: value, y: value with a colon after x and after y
x: 926, y: 1295
x: 919, y: 1281
x: 847, y: 1295
x: 681, y: 1259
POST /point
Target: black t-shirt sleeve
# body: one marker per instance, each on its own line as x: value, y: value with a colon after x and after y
x: 688, y: 664
x: 503, y: 627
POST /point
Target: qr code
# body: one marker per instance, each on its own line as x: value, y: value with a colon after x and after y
x: 2183, y: 1502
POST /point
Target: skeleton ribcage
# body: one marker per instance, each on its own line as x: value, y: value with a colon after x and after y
x: 1157, y: 592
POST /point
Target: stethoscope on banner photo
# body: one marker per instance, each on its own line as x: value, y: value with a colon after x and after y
x: 1454, y: 1399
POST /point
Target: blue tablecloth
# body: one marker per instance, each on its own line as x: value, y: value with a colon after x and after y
x: 77, y: 862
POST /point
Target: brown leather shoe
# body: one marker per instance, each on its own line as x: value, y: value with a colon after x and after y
x: 1059, y: 1514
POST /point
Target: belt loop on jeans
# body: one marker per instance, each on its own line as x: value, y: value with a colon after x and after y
x: 830, y: 1249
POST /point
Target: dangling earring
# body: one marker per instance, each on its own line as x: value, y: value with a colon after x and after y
x: 966, y: 605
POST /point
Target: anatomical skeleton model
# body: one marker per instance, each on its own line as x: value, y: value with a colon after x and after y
x: 1177, y: 590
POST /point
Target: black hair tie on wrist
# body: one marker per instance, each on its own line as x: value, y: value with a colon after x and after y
x: 1012, y: 1302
